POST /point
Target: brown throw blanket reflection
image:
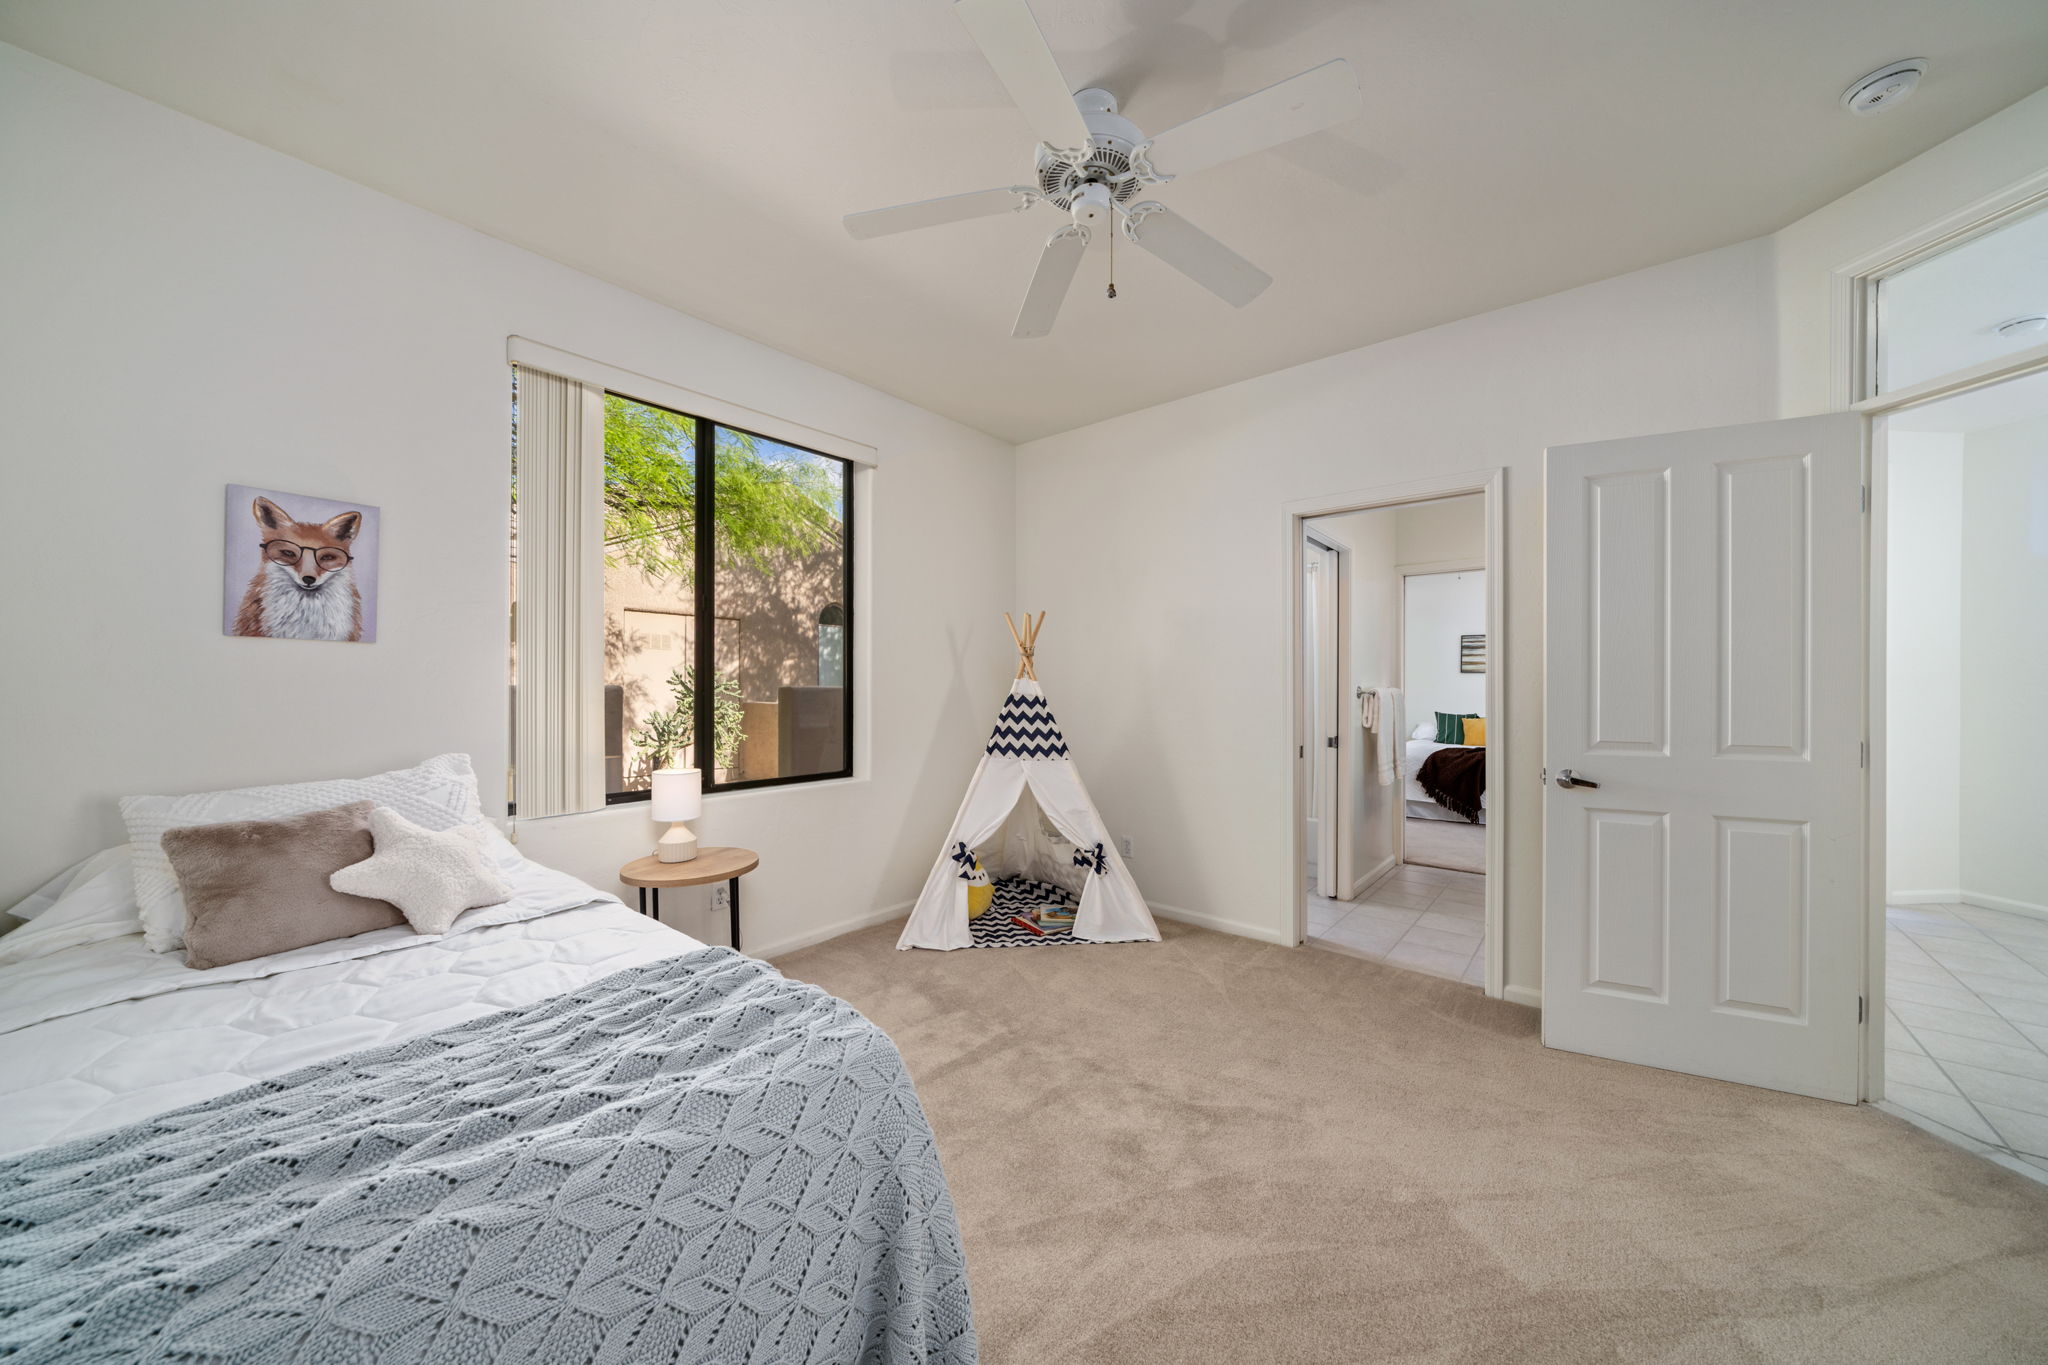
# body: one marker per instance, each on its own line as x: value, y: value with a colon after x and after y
x: 1455, y: 779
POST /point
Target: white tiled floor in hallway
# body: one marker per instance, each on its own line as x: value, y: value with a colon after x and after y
x: 1428, y: 919
x: 1966, y: 1028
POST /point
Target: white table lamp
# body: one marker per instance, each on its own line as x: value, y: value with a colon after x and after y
x: 678, y: 796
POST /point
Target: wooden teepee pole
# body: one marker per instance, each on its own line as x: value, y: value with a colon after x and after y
x: 1027, y: 641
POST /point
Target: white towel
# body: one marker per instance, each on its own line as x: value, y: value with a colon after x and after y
x: 1393, y: 736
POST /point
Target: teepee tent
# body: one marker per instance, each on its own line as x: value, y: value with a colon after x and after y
x: 1028, y: 821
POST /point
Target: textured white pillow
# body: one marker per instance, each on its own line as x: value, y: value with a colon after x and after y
x: 98, y: 903
x: 438, y: 794
x: 430, y: 876
x: 1426, y: 730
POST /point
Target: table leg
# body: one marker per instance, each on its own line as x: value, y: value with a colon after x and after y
x: 643, y: 900
x: 733, y: 899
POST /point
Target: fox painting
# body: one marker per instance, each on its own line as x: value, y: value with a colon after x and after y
x: 304, y: 587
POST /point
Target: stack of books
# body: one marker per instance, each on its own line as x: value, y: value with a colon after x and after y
x: 1056, y: 919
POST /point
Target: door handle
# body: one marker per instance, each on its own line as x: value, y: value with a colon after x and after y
x: 1568, y: 779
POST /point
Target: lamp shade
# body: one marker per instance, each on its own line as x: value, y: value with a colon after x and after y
x: 678, y: 794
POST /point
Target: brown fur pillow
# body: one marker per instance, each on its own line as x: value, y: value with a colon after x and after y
x: 257, y: 887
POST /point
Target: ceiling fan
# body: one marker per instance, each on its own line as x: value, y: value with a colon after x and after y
x: 1092, y: 162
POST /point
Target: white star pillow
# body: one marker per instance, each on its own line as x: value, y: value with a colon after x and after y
x: 431, y: 877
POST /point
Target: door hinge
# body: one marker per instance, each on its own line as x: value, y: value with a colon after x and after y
x: 1866, y: 499
x: 1859, y: 1009
x: 1301, y: 751
x: 1863, y: 754
x: 1331, y: 742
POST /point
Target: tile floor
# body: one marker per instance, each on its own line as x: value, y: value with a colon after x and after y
x: 1428, y: 919
x: 1966, y: 1027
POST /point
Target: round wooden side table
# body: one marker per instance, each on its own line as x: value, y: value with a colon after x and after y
x: 712, y: 864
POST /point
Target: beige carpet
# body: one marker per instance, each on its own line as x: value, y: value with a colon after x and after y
x: 1440, y: 843
x: 1211, y: 1149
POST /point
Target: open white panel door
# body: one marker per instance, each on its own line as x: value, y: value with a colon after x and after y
x: 1704, y: 683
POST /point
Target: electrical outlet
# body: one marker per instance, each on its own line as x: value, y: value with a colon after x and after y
x: 721, y: 899
x: 1124, y: 846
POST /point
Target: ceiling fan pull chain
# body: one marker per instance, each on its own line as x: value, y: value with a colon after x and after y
x: 1112, y: 258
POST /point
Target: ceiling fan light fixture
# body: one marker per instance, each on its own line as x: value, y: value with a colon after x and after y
x: 1091, y: 161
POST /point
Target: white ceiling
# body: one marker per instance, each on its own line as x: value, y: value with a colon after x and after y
x: 700, y: 152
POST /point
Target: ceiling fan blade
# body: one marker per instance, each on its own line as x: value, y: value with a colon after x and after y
x: 953, y: 208
x: 1056, y: 267
x: 1009, y: 37
x: 1195, y: 254
x: 1318, y: 98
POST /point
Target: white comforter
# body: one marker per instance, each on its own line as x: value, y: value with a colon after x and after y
x: 96, y: 1036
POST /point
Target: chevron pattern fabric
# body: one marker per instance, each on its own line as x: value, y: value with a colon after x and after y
x: 696, y: 1160
x: 1012, y: 895
x: 1025, y: 729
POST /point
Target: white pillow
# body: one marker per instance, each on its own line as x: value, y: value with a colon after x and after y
x: 431, y: 877
x: 1426, y: 730
x: 50, y: 892
x: 98, y: 903
x: 438, y: 794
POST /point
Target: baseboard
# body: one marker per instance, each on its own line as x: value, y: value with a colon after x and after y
x: 1386, y: 865
x: 780, y: 947
x: 1262, y: 932
x: 1948, y: 897
x: 1989, y: 902
x: 1522, y: 995
x: 1952, y: 896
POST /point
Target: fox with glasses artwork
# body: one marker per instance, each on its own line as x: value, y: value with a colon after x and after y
x: 305, y: 582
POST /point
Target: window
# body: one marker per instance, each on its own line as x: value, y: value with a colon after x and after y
x: 1983, y: 299
x: 727, y: 652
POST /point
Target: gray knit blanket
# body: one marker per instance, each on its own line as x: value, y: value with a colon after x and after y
x: 692, y: 1161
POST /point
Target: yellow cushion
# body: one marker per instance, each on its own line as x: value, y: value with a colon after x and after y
x: 1475, y: 731
x: 978, y: 899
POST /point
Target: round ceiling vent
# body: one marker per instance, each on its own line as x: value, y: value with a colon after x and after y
x: 1883, y: 88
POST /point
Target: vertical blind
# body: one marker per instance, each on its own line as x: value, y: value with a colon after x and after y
x: 559, y: 651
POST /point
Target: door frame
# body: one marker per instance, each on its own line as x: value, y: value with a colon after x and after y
x: 1854, y: 340
x: 1490, y: 483
x: 1333, y: 859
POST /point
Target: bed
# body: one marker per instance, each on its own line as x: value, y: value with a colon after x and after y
x: 1420, y: 804
x: 559, y: 1133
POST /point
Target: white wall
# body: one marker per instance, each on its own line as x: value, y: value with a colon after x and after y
x: 2005, y: 660
x: 185, y: 309
x: 1160, y: 543
x: 1441, y: 608
x: 1924, y: 670
x: 1447, y: 530
x: 1371, y: 615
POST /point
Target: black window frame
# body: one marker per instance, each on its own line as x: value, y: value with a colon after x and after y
x: 704, y: 648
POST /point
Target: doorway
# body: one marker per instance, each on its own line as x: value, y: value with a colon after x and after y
x: 1717, y: 792
x: 1443, y: 678
x: 1965, y: 870
x: 1394, y: 612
